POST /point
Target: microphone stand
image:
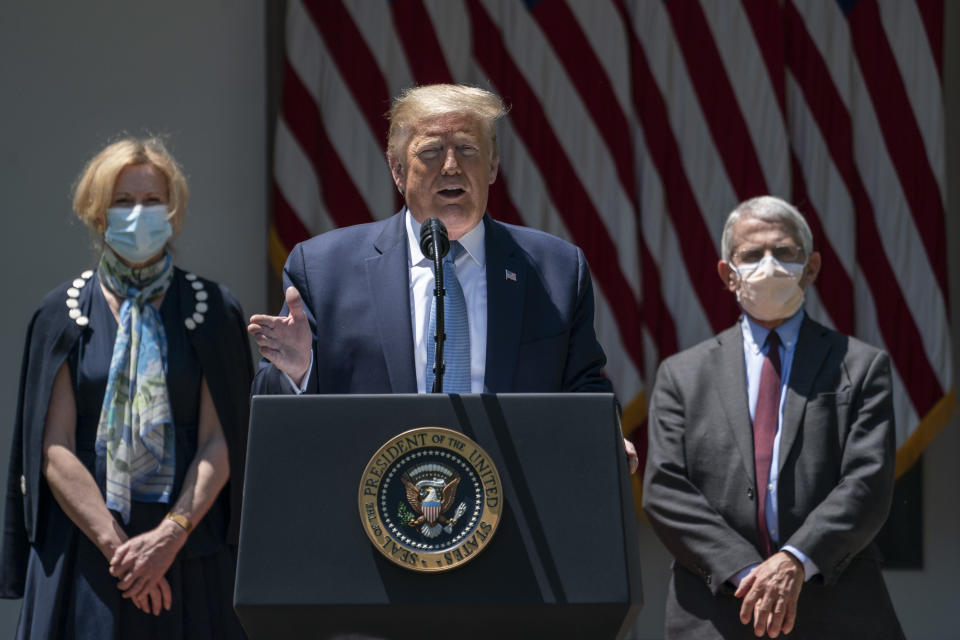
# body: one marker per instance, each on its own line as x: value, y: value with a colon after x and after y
x: 438, y: 292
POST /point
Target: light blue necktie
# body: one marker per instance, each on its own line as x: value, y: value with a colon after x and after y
x: 456, y: 348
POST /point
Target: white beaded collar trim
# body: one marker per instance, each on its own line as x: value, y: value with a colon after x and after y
x: 200, y: 307
x: 73, y: 305
x: 191, y: 321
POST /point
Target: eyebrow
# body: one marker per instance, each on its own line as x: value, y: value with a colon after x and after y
x: 130, y: 195
x: 440, y: 133
x: 764, y: 246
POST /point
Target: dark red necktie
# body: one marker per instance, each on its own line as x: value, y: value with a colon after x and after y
x: 765, y: 417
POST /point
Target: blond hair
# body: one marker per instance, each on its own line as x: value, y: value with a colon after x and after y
x: 417, y: 103
x: 93, y: 192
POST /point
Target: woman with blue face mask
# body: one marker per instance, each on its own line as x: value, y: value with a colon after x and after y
x: 127, y: 459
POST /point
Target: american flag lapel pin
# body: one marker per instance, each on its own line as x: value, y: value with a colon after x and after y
x: 510, y: 275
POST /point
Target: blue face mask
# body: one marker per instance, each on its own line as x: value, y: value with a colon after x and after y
x: 138, y: 233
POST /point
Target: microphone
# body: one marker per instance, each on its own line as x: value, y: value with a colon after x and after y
x: 433, y: 235
x: 430, y: 229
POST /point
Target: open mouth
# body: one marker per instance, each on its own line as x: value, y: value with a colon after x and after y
x: 451, y: 193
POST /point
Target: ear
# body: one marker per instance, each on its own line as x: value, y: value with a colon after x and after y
x: 396, y: 170
x: 812, y: 270
x: 494, y: 168
x: 728, y: 275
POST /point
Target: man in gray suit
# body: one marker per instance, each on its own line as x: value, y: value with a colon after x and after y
x: 771, y: 456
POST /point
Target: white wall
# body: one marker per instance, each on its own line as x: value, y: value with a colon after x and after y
x: 75, y: 74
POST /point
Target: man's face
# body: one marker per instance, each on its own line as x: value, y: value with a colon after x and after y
x: 446, y: 171
x: 754, y: 238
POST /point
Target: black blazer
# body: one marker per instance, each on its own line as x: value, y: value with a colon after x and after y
x: 222, y: 348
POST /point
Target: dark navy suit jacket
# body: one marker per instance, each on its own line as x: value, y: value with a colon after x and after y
x: 355, y: 284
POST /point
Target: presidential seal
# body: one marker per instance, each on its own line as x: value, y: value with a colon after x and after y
x: 430, y: 499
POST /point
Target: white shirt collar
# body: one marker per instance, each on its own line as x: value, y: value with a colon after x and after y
x: 472, y: 241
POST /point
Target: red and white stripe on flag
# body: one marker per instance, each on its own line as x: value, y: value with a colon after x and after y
x: 431, y: 512
x: 635, y: 127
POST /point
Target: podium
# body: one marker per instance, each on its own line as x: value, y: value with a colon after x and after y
x: 562, y: 562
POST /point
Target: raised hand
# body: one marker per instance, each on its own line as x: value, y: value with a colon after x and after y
x: 285, y: 340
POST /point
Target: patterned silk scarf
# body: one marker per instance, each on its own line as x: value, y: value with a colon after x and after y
x: 136, y: 423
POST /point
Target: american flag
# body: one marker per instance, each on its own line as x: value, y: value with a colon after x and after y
x: 635, y: 128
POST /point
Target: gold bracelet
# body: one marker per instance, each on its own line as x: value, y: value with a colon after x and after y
x: 181, y: 520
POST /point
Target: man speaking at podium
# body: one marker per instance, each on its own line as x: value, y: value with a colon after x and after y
x: 359, y: 314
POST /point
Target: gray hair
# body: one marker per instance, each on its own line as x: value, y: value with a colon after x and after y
x: 771, y: 209
x: 418, y: 103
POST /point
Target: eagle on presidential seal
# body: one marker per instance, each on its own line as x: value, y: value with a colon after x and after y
x: 430, y: 498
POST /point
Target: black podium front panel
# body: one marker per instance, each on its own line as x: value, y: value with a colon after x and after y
x: 563, y: 562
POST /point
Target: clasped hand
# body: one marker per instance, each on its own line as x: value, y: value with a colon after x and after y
x: 770, y: 592
x: 285, y: 340
x: 141, y: 562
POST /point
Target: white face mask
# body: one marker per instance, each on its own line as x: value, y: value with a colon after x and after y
x: 138, y: 233
x: 770, y: 289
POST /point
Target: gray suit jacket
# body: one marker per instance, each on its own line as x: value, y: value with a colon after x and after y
x: 836, y: 475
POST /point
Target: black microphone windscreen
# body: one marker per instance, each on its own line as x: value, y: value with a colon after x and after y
x: 426, y: 238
